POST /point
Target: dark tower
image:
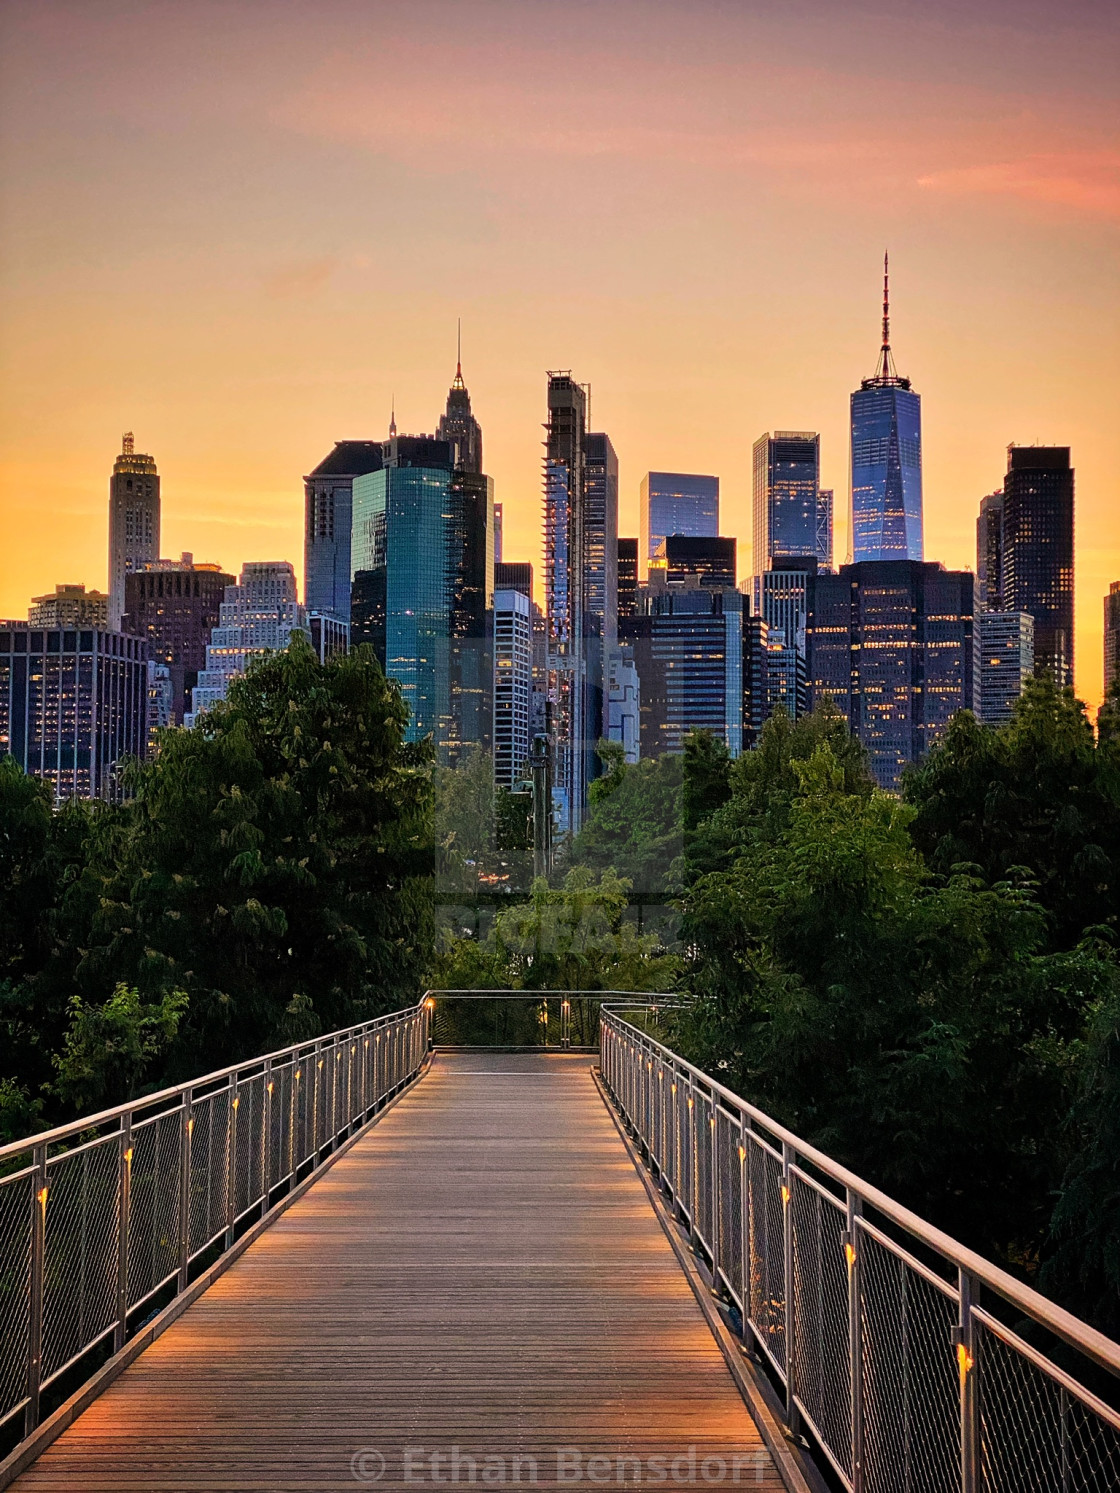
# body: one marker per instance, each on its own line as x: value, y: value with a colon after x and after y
x: 458, y: 426
x: 1038, y: 551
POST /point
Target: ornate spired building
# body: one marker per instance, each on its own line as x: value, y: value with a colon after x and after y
x: 886, y: 453
x: 133, y: 522
x: 458, y: 427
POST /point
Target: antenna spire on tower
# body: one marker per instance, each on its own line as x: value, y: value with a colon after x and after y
x: 393, y: 417
x: 886, y: 367
x: 458, y: 384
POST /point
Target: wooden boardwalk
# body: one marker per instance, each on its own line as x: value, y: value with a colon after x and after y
x: 482, y: 1271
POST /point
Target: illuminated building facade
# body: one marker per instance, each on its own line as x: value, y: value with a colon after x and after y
x: 134, y: 518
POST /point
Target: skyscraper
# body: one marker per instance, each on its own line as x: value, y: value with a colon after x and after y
x: 792, y: 516
x: 892, y: 645
x: 1004, y: 663
x: 627, y: 577
x: 989, y: 553
x: 574, y: 659
x: 886, y: 456
x: 134, y: 512
x: 600, y: 535
x: 513, y: 685
x: 782, y: 597
x: 675, y: 503
x: 1038, y: 551
x: 423, y: 583
x: 328, y: 518
x: 1112, y: 636
x: 458, y: 426
x: 680, y: 556
x: 257, y: 616
x: 70, y: 606
x: 73, y: 704
x: 175, y: 604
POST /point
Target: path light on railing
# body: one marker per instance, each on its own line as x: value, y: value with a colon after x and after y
x: 146, y: 1197
x: 899, y: 1363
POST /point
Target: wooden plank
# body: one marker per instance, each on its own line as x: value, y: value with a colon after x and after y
x: 479, y: 1285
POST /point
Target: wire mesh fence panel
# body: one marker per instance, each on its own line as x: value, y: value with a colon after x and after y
x: 822, y: 1359
x: 687, y: 1149
x: 17, y: 1204
x: 671, y: 1147
x: 767, y: 1287
x: 1035, y: 1434
x: 656, y: 1117
x: 153, y: 1212
x: 209, y: 1150
x: 911, y: 1391
x: 80, y: 1250
x: 702, y: 1118
x: 280, y: 1148
x: 248, y: 1159
x: 730, y: 1172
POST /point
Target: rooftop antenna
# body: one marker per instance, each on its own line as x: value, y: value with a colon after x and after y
x: 393, y: 417
x: 458, y: 384
x: 886, y: 360
x: 128, y: 445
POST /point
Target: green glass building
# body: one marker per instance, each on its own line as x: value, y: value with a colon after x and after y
x: 423, y: 578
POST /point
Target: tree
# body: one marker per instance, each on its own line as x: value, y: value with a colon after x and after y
x: 913, y: 1026
x: 633, y: 826
x: 1036, y: 794
x: 110, y: 1049
x: 278, y: 862
x: 574, y: 937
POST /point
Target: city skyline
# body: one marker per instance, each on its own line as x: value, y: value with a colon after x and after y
x: 239, y: 336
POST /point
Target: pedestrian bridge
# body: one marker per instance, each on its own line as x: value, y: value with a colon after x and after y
x: 371, y: 1260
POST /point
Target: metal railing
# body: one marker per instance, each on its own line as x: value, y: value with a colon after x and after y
x: 103, y: 1221
x: 900, y: 1351
x: 522, y: 1018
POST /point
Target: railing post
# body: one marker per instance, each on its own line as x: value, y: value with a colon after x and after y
x: 745, y: 1226
x: 124, y: 1212
x: 231, y: 1158
x: 565, y: 1022
x: 186, y: 1130
x: 316, y: 1084
x: 35, y: 1304
x: 266, y: 1138
x: 853, y: 1251
x: 793, y: 1417
x: 965, y: 1340
x: 714, y: 1188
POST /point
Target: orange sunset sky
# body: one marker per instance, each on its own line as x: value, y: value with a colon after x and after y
x: 239, y: 228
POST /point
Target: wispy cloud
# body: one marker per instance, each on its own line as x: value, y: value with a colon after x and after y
x: 1087, y: 181
x: 299, y: 279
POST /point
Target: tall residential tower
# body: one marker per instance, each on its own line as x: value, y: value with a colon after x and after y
x: 792, y: 516
x: 1038, y: 551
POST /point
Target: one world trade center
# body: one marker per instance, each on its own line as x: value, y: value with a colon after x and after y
x: 886, y: 513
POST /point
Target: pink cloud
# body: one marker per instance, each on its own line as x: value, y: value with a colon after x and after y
x: 1088, y: 181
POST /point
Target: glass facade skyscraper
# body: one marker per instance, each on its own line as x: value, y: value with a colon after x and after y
x: 1038, y: 551
x: 675, y: 503
x: 886, y: 461
x: 892, y: 644
x: 791, y: 515
x: 328, y: 519
x: 600, y: 535
x: 400, y: 559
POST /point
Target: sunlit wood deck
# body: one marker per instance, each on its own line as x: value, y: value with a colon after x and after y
x: 481, y: 1271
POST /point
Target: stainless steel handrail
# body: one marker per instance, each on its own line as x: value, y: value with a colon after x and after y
x: 565, y: 997
x: 114, y: 1214
x: 900, y: 1374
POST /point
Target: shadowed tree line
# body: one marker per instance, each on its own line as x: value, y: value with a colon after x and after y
x: 270, y: 878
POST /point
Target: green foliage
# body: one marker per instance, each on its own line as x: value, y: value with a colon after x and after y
x: 574, y: 937
x: 1084, y: 1270
x: 914, y: 1026
x: 109, y: 1049
x: 1038, y: 794
x: 275, y: 866
x: 634, y: 826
